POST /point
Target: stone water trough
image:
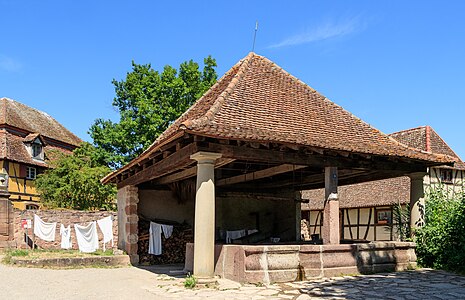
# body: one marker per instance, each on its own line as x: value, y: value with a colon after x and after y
x: 287, y: 263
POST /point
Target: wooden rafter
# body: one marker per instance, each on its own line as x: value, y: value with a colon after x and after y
x: 191, y: 172
x: 173, y: 162
x: 314, y: 160
x: 259, y: 174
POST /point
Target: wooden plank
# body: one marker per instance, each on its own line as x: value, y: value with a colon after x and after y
x: 191, y: 172
x: 259, y: 174
x: 316, y: 160
x: 315, y: 179
x: 175, y: 161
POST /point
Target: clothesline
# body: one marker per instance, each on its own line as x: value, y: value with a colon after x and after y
x: 86, y: 235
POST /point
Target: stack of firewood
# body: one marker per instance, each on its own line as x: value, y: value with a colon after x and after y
x: 173, y: 248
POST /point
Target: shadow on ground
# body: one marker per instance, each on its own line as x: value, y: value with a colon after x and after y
x: 418, y: 284
x: 173, y: 270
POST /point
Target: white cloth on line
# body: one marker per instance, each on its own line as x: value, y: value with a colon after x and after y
x: 65, y: 233
x: 234, y: 234
x: 43, y: 230
x: 106, y: 226
x: 155, y: 239
x: 167, y: 230
x: 87, y: 237
x: 251, y: 231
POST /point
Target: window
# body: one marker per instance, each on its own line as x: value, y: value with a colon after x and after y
x: 32, y: 206
x: 37, y: 151
x: 383, y: 216
x: 31, y: 173
x: 446, y: 175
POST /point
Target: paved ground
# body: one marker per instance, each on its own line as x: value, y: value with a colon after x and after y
x: 134, y: 283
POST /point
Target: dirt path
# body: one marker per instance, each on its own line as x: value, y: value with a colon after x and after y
x: 32, y: 283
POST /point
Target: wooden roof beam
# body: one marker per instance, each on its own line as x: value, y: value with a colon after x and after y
x: 259, y: 174
x: 173, y: 162
x: 191, y: 172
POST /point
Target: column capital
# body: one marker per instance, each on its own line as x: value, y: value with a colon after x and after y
x: 205, y: 157
x: 417, y: 175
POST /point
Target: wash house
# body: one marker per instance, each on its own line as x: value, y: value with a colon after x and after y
x: 232, y: 167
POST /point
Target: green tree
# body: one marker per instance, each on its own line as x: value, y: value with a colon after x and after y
x: 73, y: 181
x: 148, y: 102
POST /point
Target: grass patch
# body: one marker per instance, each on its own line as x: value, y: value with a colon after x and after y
x: 21, y: 254
x: 190, y: 282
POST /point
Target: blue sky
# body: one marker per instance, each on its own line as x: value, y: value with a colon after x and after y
x: 395, y: 64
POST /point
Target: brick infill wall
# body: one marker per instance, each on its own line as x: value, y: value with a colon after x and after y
x: 65, y: 217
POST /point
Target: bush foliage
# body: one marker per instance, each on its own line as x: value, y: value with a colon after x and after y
x: 441, y: 242
x: 73, y: 182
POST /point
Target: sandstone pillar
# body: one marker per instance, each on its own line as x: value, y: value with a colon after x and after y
x: 330, y: 230
x: 417, y: 200
x: 128, y: 197
x: 204, y: 229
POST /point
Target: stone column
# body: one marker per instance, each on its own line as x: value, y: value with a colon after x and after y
x: 417, y: 200
x: 330, y: 230
x: 128, y: 231
x: 204, y: 229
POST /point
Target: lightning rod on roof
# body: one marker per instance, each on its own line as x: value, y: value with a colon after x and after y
x: 255, y: 36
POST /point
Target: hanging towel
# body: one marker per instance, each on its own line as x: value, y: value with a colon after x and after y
x: 106, y: 226
x: 251, y: 231
x: 87, y: 237
x: 45, y: 231
x: 167, y: 230
x: 65, y: 233
x: 234, y: 234
x: 155, y: 239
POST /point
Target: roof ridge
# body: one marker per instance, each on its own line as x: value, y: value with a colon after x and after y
x: 408, y: 130
x: 208, y: 116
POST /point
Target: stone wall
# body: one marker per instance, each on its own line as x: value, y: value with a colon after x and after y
x: 65, y: 217
x: 6, y: 222
x: 287, y: 263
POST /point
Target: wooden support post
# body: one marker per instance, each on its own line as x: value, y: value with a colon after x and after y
x: 330, y: 232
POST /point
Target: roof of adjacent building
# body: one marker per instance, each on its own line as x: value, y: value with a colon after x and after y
x: 426, y: 139
x: 34, y: 121
x: 258, y: 101
x: 368, y: 194
x: 388, y: 191
x: 21, y: 124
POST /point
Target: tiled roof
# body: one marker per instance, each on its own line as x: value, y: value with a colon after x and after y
x: 388, y: 191
x: 12, y: 148
x: 21, y: 116
x: 258, y: 101
x: 426, y: 139
x: 374, y: 193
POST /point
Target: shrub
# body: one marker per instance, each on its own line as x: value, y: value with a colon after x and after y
x: 441, y: 242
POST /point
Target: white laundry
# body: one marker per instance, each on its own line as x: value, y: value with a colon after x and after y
x: 45, y: 231
x: 155, y: 239
x: 167, y: 230
x: 251, y: 231
x: 87, y: 237
x: 234, y: 234
x: 106, y: 226
x: 65, y: 233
